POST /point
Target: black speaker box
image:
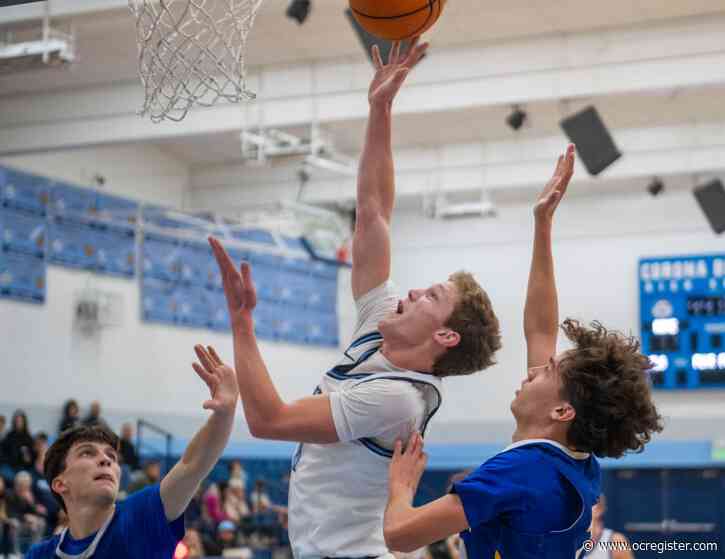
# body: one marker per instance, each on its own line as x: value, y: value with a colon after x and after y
x: 594, y: 144
x: 711, y: 197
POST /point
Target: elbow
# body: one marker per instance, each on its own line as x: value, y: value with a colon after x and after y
x: 395, y: 540
x: 258, y: 429
x: 368, y: 213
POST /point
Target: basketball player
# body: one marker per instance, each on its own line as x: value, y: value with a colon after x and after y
x: 607, y: 544
x: 534, y: 498
x: 387, y: 383
x: 83, y: 472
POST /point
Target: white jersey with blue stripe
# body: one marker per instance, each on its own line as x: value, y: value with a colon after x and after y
x: 338, y: 491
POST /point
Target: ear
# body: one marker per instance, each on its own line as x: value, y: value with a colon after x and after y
x: 563, y: 412
x: 58, y: 485
x: 447, y: 338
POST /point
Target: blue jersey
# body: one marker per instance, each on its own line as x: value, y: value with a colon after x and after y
x: 139, y: 530
x: 533, y: 499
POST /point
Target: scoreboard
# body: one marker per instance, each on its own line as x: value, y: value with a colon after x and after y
x: 682, y: 311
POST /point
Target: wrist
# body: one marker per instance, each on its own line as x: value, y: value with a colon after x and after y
x: 380, y: 108
x: 542, y: 224
x: 402, y: 493
x: 243, y: 328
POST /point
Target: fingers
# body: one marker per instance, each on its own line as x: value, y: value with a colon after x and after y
x: 207, y: 377
x: 250, y: 292
x: 394, y: 53
x: 212, y: 405
x: 398, y: 450
x: 206, y: 360
x: 226, y: 266
x: 377, y: 60
x: 416, y: 53
x: 214, y: 356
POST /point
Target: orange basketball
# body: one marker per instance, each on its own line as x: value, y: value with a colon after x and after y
x: 396, y: 20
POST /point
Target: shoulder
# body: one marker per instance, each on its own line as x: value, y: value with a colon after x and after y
x: 385, y: 289
x: 146, y: 499
x: 43, y: 549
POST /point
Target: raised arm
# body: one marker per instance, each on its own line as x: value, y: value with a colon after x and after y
x: 268, y: 416
x: 376, y: 181
x: 180, y: 484
x: 541, y: 313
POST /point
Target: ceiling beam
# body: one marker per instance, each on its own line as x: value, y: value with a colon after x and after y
x: 697, y: 150
x: 676, y: 55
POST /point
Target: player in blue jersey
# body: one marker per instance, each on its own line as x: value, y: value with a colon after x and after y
x: 83, y: 472
x: 534, y: 498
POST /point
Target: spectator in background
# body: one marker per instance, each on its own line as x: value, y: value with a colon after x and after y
x: 259, y: 498
x: 7, y: 540
x: 236, y: 471
x: 71, y: 416
x: 236, y: 508
x: 601, y: 535
x: 41, y: 489
x: 129, y: 456
x: 18, y: 444
x: 94, y: 416
x: 26, y: 511
x: 227, y: 538
x: 151, y: 475
x: 40, y: 447
x: 212, y: 504
x: 4, y: 468
x: 192, y: 514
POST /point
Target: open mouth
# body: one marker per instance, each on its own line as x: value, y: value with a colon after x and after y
x: 107, y: 477
x: 400, y: 307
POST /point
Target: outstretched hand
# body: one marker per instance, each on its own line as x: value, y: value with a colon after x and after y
x: 390, y: 77
x: 407, y: 466
x: 556, y: 187
x: 239, y: 288
x: 220, y: 379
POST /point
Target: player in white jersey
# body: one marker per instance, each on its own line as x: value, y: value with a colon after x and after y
x: 606, y: 543
x: 387, y: 383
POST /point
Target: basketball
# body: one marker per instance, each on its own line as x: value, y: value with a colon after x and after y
x: 396, y: 20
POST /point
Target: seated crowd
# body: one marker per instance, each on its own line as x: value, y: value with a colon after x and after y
x: 231, y: 515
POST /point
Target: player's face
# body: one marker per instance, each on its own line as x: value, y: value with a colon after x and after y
x: 539, y: 393
x: 422, y: 313
x: 92, y: 474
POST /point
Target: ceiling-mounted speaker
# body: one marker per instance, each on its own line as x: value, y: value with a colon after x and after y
x: 711, y: 198
x: 594, y: 143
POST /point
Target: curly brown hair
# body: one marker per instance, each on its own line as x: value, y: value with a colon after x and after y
x: 606, y: 380
x: 54, y: 463
x: 474, y: 320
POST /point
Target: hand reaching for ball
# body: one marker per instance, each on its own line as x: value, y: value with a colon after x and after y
x: 390, y: 77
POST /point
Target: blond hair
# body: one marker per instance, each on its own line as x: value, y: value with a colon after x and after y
x: 476, y: 323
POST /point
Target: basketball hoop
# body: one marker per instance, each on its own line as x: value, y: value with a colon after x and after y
x: 191, y: 52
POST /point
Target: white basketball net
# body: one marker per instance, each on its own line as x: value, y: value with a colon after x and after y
x: 191, y: 52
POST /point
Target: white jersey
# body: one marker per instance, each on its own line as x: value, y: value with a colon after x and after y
x: 338, y: 491
x: 600, y: 551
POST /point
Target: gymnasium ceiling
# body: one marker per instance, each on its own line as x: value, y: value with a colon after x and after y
x: 106, y: 49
